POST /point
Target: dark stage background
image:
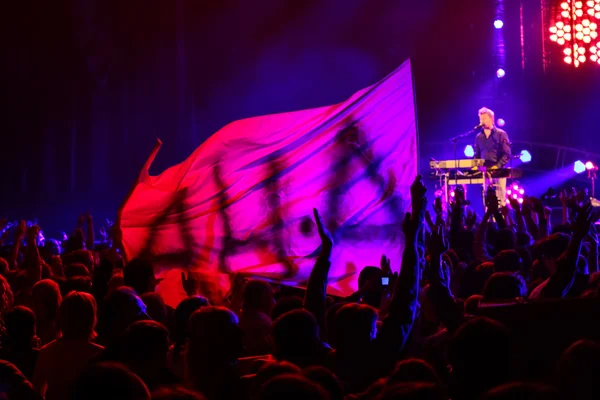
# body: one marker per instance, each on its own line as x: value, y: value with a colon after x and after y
x: 88, y: 85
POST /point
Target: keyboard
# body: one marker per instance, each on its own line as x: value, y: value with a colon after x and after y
x: 468, y: 163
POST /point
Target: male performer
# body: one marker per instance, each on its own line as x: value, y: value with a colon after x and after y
x: 493, y: 146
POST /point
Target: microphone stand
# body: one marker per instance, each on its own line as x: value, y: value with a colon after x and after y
x: 454, y: 142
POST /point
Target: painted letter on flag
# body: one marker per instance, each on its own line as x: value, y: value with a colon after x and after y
x: 243, y: 200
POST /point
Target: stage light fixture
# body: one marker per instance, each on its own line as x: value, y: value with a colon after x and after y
x: 525, y: 156
x: 500, y: 122
x: 498, y: 24
x: 500, y: 73
x: 589, y: 165
x: 579, y: 166
x: 469, y: 151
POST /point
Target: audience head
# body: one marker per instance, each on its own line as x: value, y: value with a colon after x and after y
x: 109, y: 381
x: 20, y: 327
x: 213, y: 335
x: 480, y: 356
x: 503, y: 286
x: 6, y: 296
x: 327, y: 380
x: 524, y: 239
x: 275, y: 368
x: 577, y: 371
x: 139, y: 275
x: 146, y: 344
x: 355, y: 328
x: 330, y: 322
x: 292, y: 387
x: 156, y: 307
x: 471, y: 305
x: 3, y: 266
x: 286, y: 304
x: 522, y: 391
x: 46, y: 300
x: 14, y: 385
x: 506, y: 239
x: 508, y: 261
x: 413, y: 391
x: 76, y: 270
x: 369, y: 278
x: 120, y: 308
x: 551, y: 249
x: 296, y: 337
x: 77, y: 316
x: 183, y: 312
x: 413, y: 370
x: 116, y: 281
x: 176, y: 393
x: 258, y: 296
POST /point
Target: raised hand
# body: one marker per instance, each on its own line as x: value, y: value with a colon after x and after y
x: 438, y: 244
x: 564, y: 198
x: 21, y: 229
x: 418, y: 199
x: 491, y: 201
x: 538, y: 207
x: 189, y: 284
x: 80, y: 221
x: 514, y: 204
x: 527, y: 207
x: 385, y: 265
x: 89, y: 219
x: 471, y: 219
x: 547, y: 212
x: 103, y: 233
x: 326, y: 239
x: 437, y: 205
x: 438, y: 271
x: 32, y: 234
x: 583, y: 223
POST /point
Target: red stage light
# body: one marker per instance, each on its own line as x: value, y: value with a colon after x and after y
x: 574, y: 29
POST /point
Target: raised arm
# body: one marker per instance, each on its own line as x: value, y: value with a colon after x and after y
x: 564, y: 202
x: 315, y: 299
x: 520, y: 222
x: 561, y: 281
x: 479, y: 243
x: 89, y: 239
x: 14, y: 253
x: 593, y: 253
x: 396, y: 326
x: 438, y: 275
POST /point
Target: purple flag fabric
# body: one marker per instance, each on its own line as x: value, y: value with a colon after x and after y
x: 242, y: 202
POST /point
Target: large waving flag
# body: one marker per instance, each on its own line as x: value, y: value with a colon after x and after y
x: 242, y: 202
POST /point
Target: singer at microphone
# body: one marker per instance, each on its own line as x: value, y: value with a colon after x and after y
x: 492, y: 144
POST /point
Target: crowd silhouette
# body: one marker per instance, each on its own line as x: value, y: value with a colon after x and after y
x: 501, y: 307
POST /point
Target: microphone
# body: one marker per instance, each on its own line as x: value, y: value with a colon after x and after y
x: 478, y: 127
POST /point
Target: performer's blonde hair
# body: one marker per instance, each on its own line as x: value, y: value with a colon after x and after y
x: 485, y: 110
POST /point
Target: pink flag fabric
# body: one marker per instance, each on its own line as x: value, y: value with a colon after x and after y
x: 242, y: 202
